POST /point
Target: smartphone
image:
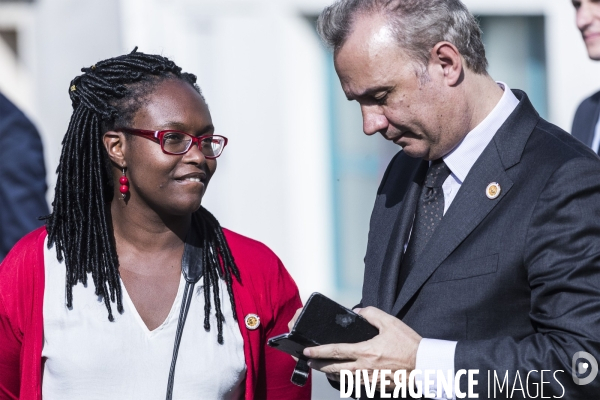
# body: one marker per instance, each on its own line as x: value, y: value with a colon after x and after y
x: 323, y: 321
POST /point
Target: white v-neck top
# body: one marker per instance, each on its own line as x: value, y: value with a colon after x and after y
x: 88, y: 357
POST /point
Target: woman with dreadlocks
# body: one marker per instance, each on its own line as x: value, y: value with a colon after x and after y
x: 133, y: 290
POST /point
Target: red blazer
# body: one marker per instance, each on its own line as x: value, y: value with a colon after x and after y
x: 266, y: 289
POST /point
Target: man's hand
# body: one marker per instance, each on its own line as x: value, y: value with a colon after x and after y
x: 294, y: 318
x: 395, y: 348
x: 292, y: 322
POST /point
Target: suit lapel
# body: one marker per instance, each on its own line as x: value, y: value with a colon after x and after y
x: 399, y: 235
x: 467, y: 210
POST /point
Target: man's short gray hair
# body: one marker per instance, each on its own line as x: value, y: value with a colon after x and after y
x: 418, y: 24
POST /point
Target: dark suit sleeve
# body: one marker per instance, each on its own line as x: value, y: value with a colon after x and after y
x: 22, y: 180
x: 562, y: 258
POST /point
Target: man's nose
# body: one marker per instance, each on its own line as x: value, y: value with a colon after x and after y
x: 584, y: 15
x: 373, y: 120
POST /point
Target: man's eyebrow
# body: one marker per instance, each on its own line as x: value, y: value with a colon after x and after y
x: 367, y: 93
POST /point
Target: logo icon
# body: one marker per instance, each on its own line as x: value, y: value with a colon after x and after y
x: 579, y: 368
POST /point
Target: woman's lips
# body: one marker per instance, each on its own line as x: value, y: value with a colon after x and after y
x: 191, y: 179
x: 194, y: 177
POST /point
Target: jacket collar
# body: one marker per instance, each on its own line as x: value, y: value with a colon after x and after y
x: 513, y: 135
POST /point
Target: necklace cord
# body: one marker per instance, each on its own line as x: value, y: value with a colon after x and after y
x: 187, y: 299
x: 192, y: 269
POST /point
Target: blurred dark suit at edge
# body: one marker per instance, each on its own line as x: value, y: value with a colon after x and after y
x: 22, y: 176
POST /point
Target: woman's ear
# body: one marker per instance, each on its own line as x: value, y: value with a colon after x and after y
x: 115, y: 145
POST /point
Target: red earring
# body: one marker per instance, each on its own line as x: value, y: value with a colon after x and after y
x: 124, y: 189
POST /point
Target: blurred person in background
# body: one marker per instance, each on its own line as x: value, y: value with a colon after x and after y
x: 127, y: 229
x: 22, y: 176
x: 484, y: 243
x: 586, y: 125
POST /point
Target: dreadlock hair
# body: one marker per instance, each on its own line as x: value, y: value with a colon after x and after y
x: 106, y: 95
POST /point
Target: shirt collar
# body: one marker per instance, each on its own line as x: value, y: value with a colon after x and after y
x: 461, y: 159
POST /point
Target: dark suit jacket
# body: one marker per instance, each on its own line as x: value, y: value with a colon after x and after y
x: 586, y: 118
x: 515, y: 280
x: 22, y: 176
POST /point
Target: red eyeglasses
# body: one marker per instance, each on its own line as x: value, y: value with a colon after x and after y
x: 177, y: 142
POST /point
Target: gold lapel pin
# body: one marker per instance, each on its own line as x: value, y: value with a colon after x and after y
x: 493, y: 190
x: 252, y: 321
x: 73, y: 88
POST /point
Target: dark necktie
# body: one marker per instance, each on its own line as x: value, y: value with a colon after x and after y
x: 429, y: 213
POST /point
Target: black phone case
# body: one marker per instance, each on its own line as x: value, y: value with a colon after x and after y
x: 323, y: 321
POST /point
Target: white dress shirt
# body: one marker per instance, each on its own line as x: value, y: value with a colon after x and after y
x: 434, y: 354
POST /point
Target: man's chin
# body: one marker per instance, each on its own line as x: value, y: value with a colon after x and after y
x: 414, y: 151
x: 594, y: 51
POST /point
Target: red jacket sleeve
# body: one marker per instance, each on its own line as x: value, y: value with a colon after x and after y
x: 279, y: 365
x: 21, y: 323
x: 266, y: 289
x: 10, y: 350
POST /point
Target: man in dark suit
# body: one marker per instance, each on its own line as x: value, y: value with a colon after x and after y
x: 586, y: 125
x: 22, y: 176
x: 484, y: 243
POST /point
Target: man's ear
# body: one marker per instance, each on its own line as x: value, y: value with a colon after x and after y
x: 446, y: 58
x: 115, y: 145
